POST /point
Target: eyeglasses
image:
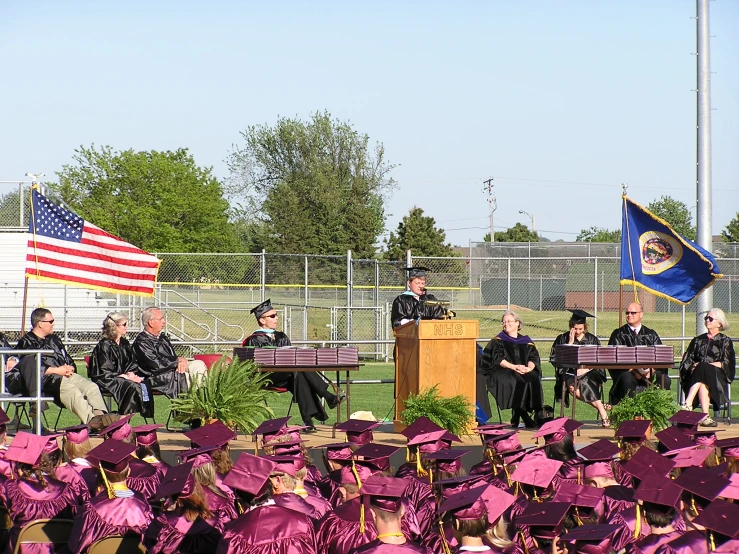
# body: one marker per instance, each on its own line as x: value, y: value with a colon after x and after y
x: 632, y: 313
x: 50, y: 321
x: 124, y: 324
x: 270, y: 316
x: 708, y: 318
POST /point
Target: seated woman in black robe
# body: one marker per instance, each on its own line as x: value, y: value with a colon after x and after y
x: 708, y: 366
x: 589, y: 381
x: 114, y: 370
x: 512, y: 369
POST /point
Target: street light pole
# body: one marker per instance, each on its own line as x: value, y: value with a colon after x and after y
x: 531, y: 217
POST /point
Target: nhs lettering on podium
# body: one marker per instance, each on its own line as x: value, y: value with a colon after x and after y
x: 448, y: 329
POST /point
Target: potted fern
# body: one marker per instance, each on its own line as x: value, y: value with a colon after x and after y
x: 233, y: 393
x: 452, y: 413
x: 653, y: 403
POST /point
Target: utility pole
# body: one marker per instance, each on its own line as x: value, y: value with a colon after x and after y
x: 492, y: 205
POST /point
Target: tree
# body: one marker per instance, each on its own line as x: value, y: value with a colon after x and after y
x: 675, y: 213
x: 158, y: 201
x: 418, y: 233
x: 518, y: 233
x: 731, y: 231
x: 599, y: 234
x: 317, y: 186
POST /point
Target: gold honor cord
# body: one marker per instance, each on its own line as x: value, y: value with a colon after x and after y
x: 637, y: 525
x: 444, y: 543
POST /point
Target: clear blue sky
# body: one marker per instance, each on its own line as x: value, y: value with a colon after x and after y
x: 559, y: 101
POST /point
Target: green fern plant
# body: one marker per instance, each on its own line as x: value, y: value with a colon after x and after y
x: 232, y: 393
x: 452, y: 413
x: 653, y: 403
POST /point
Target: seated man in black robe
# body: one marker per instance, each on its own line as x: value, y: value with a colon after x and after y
x: 307, y: 387
x: 411, y: 305
x: 627, y: 382
x: 167, y: 372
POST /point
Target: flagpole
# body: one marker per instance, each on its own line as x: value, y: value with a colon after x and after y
x: 25, y: 305
x: 703, y: 189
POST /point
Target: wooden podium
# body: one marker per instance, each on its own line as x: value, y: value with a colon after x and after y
x: 431, y: 352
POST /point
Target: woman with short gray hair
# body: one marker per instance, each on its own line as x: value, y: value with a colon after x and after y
x: 708, y: 366
x: 114, y: 370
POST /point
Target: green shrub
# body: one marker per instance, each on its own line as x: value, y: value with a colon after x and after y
x: 653, y: 403
x: 232, y: 393
x: 453, y: 414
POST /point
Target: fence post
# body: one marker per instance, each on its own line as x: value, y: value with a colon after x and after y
x: 349, y: 295
x: 305, y: 280
x: 376, y: 299
x: 508, y: 295
x: 263, y: 274
x: 408, y: 259
x: 595, y: 297
x: 66, y: 308
x: 23, y: 203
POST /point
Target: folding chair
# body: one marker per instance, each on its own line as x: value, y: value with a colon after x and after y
x: 117, y: 544
x: 44, y: 531
x: 725, y: 408
x: 211, y: 359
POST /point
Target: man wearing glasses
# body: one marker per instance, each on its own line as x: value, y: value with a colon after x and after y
x: 60, y: 379
x: 307, y: 388
x: 167, y: 372
x: 625, y: 382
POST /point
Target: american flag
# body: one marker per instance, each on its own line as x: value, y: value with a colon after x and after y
x: 64, y: 247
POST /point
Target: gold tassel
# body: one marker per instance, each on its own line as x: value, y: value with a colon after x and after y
x: 637, y: 525
x: 507, y: 474
x: 579, y: 477
x: 239, y: 507
x: 408, y: 454
x: 419, y: 468
x: 718, y: 459
x: 577, y: 516
x: 711, y: 542
x: 361, y: 517
x: 536, y: 498
x: 256, y: 448
x: 444, y: 544
x: 356, y: 475
x: 693, y: 507
x: 108, y: 488
x: 523, y: 542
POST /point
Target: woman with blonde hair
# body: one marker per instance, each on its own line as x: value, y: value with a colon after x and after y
x: 708, y: 366
x: 114, y: 370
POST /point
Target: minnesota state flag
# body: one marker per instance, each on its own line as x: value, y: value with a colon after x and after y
x: 656, y: 258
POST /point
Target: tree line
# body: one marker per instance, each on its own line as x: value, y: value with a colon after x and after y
x: 314, y: 187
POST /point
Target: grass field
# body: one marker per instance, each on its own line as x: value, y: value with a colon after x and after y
x: 377, y: 398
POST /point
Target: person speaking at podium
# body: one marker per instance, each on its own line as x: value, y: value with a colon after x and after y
x: 411, y: 305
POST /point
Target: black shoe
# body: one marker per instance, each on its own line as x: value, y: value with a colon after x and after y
x: 310, y: 427
x: 528, y: 421
x: 515, y: 418
x: 334, y: 400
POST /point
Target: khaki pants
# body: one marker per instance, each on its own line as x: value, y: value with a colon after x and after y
x: 195, y: 371
x: 81, y: 397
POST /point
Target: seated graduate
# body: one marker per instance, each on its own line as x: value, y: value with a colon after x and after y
x: 307, y: 387
x: 284, y: 482
x: 64, y: 472
x: 76, y: 445
x: 220, y: 502
x: 60, y: 379
x: 114, y: 370
x: 382, y: 503
x: 410, y: 305
x: 186, y: 525
x: 33, y: 492
x: 117, y: 510
x: 512, y: 369
x: 5, y: 467
x: 589, y: 381
x: 147, y: 445
x: 263, y: 527
x: 167, y: 372
x: 218, y: 435
x: 708, y: 366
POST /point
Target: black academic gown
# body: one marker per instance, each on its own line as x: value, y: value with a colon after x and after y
x: 307, y: 388
x: 588, y: 384
x: 50, y: 384
x: 108, y: 362
x: 408, y: 306
x: 511, y: 390
x: 158, y: 362
x: 624, y: 382
x: 706, y: 350
x: 13, y: 381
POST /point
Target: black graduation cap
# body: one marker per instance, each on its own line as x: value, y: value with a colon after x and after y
x: 579, y: 316
x: 260, y: 309
x: 413, y: 272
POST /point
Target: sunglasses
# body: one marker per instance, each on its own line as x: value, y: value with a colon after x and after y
x: 708, y: 318
x: 124, y: 324
x: 270, y: 316
x: 49, y: 321
x: 631, y: 313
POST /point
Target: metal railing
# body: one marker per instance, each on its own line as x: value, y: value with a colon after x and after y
x: 38, y: 399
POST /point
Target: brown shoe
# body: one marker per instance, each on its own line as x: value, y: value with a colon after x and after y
x: 99, y: 422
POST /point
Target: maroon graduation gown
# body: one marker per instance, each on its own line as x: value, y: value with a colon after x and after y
x: 617, y: 499
x: 221, y: 506
x: 296, y: 503
x: 379, y: 547
x: 144, y: 478
x: 653, y: 542
x: 625, y: 536
x: 269, y: 529
x: 28, y: 500
x: 89, y: 474
x: 328, y: 484
x: 320, y: 504
x: 103, y: 516
x: 67, y: 474
x: 692, y: 542
x: 171, y: 533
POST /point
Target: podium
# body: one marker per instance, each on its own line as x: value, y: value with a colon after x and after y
x: 430, y: 352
